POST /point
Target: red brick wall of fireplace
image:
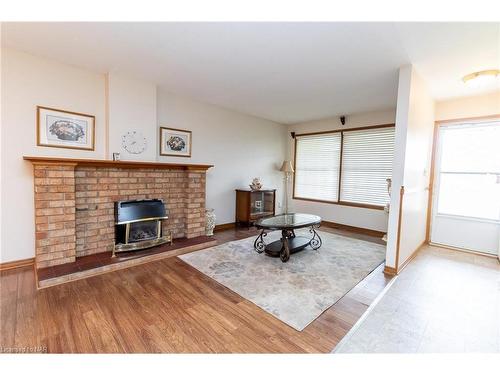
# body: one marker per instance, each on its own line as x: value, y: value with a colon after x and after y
x: 74, y: 206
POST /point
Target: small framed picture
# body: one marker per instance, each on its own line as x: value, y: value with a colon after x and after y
x: 65, y: 129
x: 175, y: 142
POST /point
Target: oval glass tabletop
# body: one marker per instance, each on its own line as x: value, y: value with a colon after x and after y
x: 288, y: 221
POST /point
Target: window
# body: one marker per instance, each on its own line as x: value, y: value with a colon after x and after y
x: 366, y: 165
x: 366, y: 159
x: 317, y: 161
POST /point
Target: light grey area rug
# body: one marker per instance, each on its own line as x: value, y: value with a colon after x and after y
x: 298, y: 291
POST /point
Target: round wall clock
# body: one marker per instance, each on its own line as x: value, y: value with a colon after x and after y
x: 134, y: 142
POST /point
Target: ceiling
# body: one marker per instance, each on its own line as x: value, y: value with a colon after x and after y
x: 285, y: 72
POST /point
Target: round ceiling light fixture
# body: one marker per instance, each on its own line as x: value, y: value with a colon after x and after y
x: 483, y: 77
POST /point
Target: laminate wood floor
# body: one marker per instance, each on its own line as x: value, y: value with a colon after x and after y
x: 164, y: 306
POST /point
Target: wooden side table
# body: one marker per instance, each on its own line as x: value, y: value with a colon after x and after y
x: 252, y: 205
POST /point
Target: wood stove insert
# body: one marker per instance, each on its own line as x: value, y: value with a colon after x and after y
x: 138, y: 225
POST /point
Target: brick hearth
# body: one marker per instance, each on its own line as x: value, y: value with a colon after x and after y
x: 74, y: 202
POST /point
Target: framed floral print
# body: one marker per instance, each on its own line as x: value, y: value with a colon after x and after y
x: 65, y: 129
x: 175, y: 142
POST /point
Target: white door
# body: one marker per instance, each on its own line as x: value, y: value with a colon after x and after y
x: 466, y: 198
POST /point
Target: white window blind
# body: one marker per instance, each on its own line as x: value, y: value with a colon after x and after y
x: 317, y: 162
x: 366, y: 164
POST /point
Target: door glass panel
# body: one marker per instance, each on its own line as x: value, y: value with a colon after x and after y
x: 469, y: 177
x: 471, y: 148
x: 472, y: 195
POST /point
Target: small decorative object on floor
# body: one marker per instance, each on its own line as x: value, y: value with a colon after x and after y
x: 116, y: 156
x: 256, y: 184
x: 210, y: 221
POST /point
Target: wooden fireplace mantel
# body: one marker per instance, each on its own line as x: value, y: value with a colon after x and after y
x: 116, y: 164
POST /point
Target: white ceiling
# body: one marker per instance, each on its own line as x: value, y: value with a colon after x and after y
x: 286, y: 72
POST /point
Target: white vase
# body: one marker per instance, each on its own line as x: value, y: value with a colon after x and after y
x: 209, y: 222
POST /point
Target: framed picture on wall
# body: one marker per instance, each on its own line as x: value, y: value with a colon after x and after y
x: 64, y: 129
x: 175, y: 142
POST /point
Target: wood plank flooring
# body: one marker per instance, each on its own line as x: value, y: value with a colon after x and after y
x: 164, y: 306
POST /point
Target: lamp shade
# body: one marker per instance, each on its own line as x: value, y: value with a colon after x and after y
x: 287, y: 167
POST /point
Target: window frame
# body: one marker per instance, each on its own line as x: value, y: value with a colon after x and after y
x: 342, y: 131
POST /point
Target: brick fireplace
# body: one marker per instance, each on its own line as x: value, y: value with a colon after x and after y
x: 74, y: 202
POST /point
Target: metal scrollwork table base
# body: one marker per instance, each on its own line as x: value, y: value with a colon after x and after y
x: 289, y: 243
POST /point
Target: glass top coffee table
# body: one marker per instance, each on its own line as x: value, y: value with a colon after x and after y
x: 289, y: 242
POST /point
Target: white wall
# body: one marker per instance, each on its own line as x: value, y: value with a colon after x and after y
x: 28, y: 81
x: 239, y: 146
x: 414, y: 132
x: 354, y: 216
x: 473, y: 106
x: 131, y: 107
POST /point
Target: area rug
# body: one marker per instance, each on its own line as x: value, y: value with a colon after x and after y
x: 296, y: 292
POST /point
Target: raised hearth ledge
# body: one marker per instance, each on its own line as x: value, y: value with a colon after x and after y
x: 178, y: 248
x: 116, y: 164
